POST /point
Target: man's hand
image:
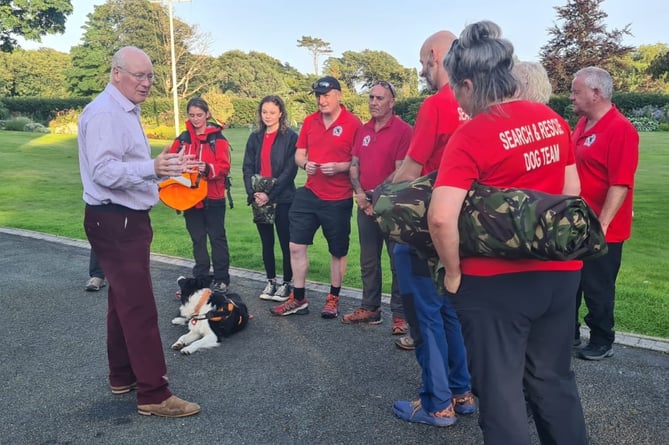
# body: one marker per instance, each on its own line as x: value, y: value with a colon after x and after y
x: 169, y: 164
x: 311, y: 167
x: 329, y: 169
x: 363, y: 203
x: 452, y: 281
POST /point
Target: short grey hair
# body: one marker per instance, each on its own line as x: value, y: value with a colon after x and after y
x: 533, y: 82
x: 595, y: 77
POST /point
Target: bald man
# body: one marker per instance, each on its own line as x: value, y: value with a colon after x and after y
x: 119, y: 179
x: 435, y: 329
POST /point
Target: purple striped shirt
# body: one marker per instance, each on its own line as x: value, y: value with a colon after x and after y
x: 114, y: 154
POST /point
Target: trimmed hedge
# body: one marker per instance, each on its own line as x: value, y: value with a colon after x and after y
x: 158, y: 111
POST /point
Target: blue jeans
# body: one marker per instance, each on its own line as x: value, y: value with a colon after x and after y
x: 440, y: 347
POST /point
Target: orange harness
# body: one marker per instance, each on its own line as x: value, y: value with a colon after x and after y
x: 203, y: 299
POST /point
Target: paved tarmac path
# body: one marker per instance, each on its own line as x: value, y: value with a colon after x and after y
x: 292, y: 380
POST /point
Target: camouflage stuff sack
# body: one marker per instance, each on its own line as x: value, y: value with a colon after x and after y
x: 263, y: 214
x: 499, y: 223
x: 401, y: 212
x: 518, y: 223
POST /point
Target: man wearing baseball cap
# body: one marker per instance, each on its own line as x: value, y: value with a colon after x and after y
x: 324, y: 151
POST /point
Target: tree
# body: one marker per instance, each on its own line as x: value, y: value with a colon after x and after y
x: 636, y: 70
x: 361, y: 70
x: 659, y: 67
x: 254, y: 75
x: 317, y: 47
x: 35, y: 73
x: 581, y: 40
x: 118, y: 23
x: 31, y: 20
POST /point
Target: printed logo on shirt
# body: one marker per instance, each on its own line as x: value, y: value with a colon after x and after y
x: 590, y: 140
x: 337, y: 131
x: 366, y: 140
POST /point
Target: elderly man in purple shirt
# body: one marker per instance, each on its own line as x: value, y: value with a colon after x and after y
x: 119, y: 179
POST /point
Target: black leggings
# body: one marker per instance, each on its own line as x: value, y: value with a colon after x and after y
x: 266, y: 232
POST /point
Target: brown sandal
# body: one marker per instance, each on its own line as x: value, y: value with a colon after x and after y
x: 406, y: 343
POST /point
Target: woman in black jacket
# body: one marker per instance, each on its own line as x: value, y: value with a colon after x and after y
x: 270, y: 153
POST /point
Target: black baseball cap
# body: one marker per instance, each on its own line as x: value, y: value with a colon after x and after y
x: 325, y: 85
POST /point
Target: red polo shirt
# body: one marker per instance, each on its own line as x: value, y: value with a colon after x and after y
x: 521, y: 144
x: 438, y: 118
x: 608, y: 155
x: 378, y: 151
x: 332, y: 144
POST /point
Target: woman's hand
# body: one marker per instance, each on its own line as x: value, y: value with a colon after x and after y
x: 261, y: 198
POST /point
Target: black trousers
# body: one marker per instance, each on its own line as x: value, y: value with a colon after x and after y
x: 518, y: 333
x: 598, y: 289
x: 94, y: 268
x: 266, y: 232
x: 209, y: 221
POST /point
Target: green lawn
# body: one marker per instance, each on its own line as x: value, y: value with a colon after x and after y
x: 41, y: 191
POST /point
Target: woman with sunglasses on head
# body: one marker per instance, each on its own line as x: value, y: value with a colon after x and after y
x: 516, y: 315
x: 270, y: 153
x: 204, y: 140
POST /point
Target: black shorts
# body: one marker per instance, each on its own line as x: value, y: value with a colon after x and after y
x: 308, y: 213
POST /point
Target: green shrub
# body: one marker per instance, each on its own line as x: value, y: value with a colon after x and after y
x: 17, y: 124
x: 35, y: 127
x: 643, y: 123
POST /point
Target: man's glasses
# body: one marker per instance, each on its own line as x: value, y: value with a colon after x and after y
x: 141, y: 77
x: 387, y: 85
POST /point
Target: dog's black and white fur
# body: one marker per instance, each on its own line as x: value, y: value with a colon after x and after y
x: 220, y: 316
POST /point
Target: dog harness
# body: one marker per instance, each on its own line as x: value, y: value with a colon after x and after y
x: 211, y: 315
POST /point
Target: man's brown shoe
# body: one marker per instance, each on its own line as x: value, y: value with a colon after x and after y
x: 117, y: 390
x: 171, y: 407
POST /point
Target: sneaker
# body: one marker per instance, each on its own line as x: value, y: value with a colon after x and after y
x: 464, y: 403
x: 406, y: 343
x: 594, y: 352
x: 269, y: 290
x: 123, y: 389
x: 219, y: 286
x: 362, y: 315
x: 412, y: 411
x: 576, y: 343
x: 282, y: 292
x: 95, y: 284
x: 400, y: 326
x: 291, y: 306
x: 170, y: 407
x: 331, y: 308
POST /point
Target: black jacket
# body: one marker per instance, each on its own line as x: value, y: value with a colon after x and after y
x: 282, y: 158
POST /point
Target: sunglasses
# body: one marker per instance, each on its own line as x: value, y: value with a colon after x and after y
x: 323, y: 84
x: 387, y: 85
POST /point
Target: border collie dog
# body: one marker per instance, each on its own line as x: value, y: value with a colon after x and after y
x: 209, y: 315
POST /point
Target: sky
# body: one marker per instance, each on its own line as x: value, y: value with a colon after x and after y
x: 398, y: 27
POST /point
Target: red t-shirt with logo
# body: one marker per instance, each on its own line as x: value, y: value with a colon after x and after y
x: 332, y: 144
x: 608, y: 155
x: 437, y: 119
x: 378, y: 151
x: 518, y: 144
